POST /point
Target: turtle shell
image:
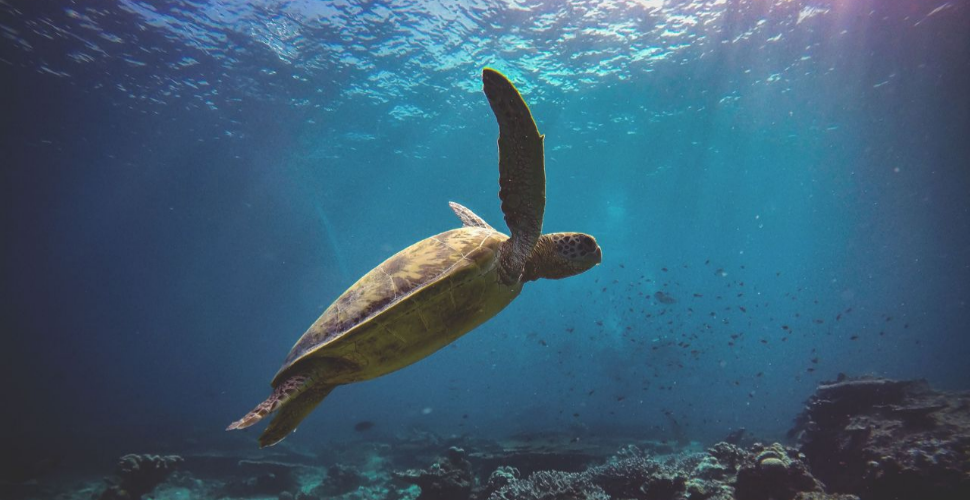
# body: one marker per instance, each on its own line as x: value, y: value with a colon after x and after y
x: 414, y: 303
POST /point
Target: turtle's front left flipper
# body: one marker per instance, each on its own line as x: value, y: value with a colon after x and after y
x: 522, y: 176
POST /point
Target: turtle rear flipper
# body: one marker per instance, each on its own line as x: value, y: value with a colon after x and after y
x: 295, y: 398
x: 287, y: 390
x: 292, y: 413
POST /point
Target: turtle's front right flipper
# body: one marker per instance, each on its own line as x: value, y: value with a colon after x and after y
x: 522, y: 175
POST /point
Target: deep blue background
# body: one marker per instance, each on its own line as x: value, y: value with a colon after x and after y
x: 165, y: 244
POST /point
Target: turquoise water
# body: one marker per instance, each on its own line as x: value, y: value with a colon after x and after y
x: 188, y: 185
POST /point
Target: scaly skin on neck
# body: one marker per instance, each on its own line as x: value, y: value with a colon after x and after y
x: 545, y: 262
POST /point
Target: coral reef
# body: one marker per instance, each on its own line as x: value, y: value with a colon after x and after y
x: 881, y: 439
x: 868, y: 439
x: 724, y: 472
x: 500, y: 478
x: 774, y: 473
x: 533, y: 452
x: 263, y: 477
x: 137, y: 475
x: 551, y: 485
x: 815, y: 495
x: 714, y: 475
x: 634, y: 474
x: 340, y: 479
x: 449, y: 479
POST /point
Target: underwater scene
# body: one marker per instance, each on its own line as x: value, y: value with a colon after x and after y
x: 485, y: 249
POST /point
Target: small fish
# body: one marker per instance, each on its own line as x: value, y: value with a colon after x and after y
x: 854, y: 337
x: 364, y: 425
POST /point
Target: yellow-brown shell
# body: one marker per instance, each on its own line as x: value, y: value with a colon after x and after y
x: 414, y: 303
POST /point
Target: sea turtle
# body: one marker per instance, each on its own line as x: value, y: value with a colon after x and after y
x: 436, y: 290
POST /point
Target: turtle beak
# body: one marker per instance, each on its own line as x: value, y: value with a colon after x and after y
x: 594, y: 257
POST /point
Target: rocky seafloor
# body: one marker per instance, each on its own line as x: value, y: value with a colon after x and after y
x: 863, y: 438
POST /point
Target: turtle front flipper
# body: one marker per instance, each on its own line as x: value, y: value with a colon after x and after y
x: 522, y: 176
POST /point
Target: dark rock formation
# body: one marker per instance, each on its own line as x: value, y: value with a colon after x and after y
x: 138, y: 475
x: 448, y: 479
x: 884, y: 439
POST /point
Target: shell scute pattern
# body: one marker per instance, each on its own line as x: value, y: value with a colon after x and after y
x: 396, y: 279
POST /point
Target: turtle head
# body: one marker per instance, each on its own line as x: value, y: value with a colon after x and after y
x: 561, y: 255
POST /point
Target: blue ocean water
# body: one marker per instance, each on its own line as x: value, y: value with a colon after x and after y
x: 187, y: 185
